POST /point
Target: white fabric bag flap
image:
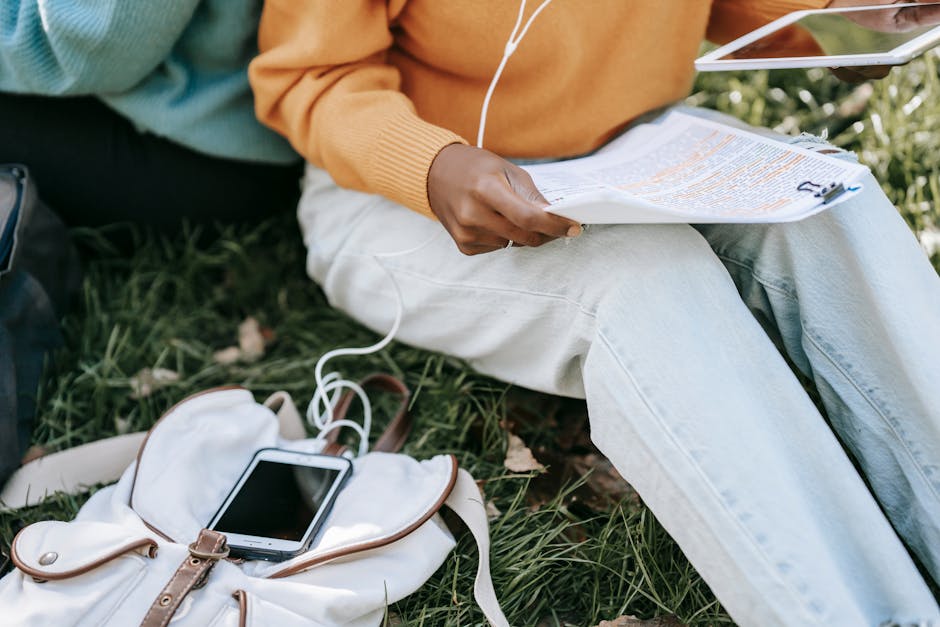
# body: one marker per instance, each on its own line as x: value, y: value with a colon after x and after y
x: 53, y: 550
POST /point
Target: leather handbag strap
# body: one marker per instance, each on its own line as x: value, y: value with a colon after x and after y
x: 290, y: 424
x: 71, y: 471
x: 395, y: 434
x: 466, y: 502
x: 208, y: 549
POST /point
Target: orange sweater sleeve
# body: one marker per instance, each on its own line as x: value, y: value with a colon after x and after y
x: 322, y: 80
x: 732, y: 18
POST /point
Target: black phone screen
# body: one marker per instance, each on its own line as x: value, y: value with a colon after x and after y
x: 278, y: 500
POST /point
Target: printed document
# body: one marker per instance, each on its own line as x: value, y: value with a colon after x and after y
x: 687, y: 169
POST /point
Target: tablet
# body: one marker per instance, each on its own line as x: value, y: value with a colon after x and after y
x: 832, y: 38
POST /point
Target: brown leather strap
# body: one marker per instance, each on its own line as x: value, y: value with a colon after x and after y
x: 395, y: 434
x: 209, y: 548
x: 334, y: 448
x: 242, y: 599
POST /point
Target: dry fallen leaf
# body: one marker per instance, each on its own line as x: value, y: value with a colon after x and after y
x: 601, y: 487
x: 227, y: 356
x: 147, y: 381
x: 604, y: 486
x: 519, y: 458
x: 393, y: 620
x: 250, y: 339
x: 492, y: 512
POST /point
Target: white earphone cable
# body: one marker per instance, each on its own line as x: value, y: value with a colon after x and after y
x: 333, y: 382
x: 326, y: 396
x: 508, y: 51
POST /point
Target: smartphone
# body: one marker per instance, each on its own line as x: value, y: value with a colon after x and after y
x: 279, y: 503
x: 842, y: 37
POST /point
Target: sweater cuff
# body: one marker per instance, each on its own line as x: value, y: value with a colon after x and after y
x: 403, y: 156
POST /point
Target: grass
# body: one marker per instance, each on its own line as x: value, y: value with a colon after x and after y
x: 173, y: 302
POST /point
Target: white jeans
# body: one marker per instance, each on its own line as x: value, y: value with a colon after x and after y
x: 669, y: 331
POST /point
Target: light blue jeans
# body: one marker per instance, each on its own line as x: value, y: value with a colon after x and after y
x: 671, y: 332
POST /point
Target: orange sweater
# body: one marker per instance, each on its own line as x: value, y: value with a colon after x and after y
x: 372, y: 90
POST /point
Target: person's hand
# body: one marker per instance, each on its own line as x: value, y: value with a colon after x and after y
x: 485, y: 202
x: 861, y: 73
x: 899, y: 20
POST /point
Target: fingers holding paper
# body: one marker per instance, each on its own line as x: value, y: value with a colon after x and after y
x: 485, y: 202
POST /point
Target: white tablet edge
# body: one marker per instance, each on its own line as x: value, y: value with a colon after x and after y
x: 711, y: 61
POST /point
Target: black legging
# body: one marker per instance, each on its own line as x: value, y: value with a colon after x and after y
x: 93, y: 167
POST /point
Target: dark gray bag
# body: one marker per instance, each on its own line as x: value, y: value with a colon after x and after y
x: 39, y: 270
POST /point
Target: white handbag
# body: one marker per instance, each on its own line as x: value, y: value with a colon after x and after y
x: 137, y: 553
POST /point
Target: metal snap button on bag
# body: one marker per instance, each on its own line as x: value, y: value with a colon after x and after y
x: 48, y: 558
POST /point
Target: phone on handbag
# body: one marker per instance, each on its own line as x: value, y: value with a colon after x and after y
x: 279, y: 503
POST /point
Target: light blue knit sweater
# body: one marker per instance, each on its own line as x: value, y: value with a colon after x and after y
x: 176, y: 68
